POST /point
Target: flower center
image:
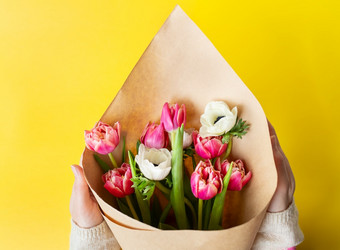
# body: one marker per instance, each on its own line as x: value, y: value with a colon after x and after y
x: 218, y: 118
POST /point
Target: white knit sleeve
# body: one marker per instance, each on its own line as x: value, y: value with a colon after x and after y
x: 279, y: 230
x: 95, y: 238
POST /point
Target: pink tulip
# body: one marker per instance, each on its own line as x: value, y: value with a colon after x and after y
x: 208, y: 147
x: 103, y: 138
x: 205, y: 181
x: 173, y: 116
x: 154, y: 136
x: 238, y: 178
x: 117, y: 181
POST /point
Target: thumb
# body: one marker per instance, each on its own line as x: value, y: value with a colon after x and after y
x: 78, y: 175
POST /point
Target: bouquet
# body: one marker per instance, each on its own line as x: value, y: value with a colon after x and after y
x: 182, y: 66
x: 199, y: 195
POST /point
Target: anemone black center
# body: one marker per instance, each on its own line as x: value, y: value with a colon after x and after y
x: 218, y: 118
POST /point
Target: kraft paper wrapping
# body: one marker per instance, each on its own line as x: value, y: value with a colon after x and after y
x: 182, y: 66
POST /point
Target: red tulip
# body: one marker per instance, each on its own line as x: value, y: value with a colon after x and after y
x: 209, y: 147
x: 117, y: 181
x: 173, y: 116
x: 103, y: 138
x: 238, y: 178
x: 205, y: 181
x: 154, y: 136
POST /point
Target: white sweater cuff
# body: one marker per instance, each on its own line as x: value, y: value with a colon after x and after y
x: 98, y: 237
x: 279, y: 230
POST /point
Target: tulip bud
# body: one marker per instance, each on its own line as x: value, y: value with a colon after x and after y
x: 103, y: 138
x: 209, y: 147
x: 173, y: 116
x: 205, y: 181
x: 187, y: 137
x: 117, y: 181
x: 154, y: 136
x: 238, y: 178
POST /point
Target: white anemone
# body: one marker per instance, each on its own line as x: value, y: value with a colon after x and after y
x: 155, y: 164
x: 217, y: 119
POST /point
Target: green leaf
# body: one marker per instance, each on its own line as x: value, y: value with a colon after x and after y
x: 189, y: 151
x: 134, y: 201
x: 132, y: 163
x: 123, y: 207
x: 102, y: 163
x: 168, y: 180
x: 144, y: 185
x: 137, y: 145
x: 177, y: 192
x: 188, y: 192
x: 165, y: 213
x: 143, y: 204
x: 217, y: 209
x: 166, y: 226
x: 206, y: 213
x: 240, y: 129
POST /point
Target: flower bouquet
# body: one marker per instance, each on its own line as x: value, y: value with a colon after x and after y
x: 169, y: 190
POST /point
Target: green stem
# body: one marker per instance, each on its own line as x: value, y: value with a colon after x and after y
x: 217, y: 209
x: 193, y: 162
x: 165, y: 213
x: 200, y: 207
x: 206, y: 213
x: 162, y: 188
x: 132, y: 209
x: 193, y: 212
x: 177, y: 193
x: 173, y: 138
x: 187, y: 202
x: 228, y: 151
x: 102, y: 163
x: 143, y: 205
x: 114, y: 163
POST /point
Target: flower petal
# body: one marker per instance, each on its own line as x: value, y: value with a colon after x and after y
x: 147, y: 158
x: 235, y: 182
x: 217, y: 119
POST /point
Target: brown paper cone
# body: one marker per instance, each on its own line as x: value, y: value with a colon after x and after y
x: 182, y: 66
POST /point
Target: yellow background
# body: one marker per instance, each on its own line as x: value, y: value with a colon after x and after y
x: 62, y: 62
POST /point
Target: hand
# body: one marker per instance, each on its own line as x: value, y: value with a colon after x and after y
x: 283, y: 195
x: 83, y: 206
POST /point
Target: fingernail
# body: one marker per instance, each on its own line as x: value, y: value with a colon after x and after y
x: 75, y: 172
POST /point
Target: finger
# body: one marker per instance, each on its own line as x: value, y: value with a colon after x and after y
x: 80, y: 191
x: 271, y: 129
x: 79, y: 175
x: 273, y: 137
x: 274, y: 142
